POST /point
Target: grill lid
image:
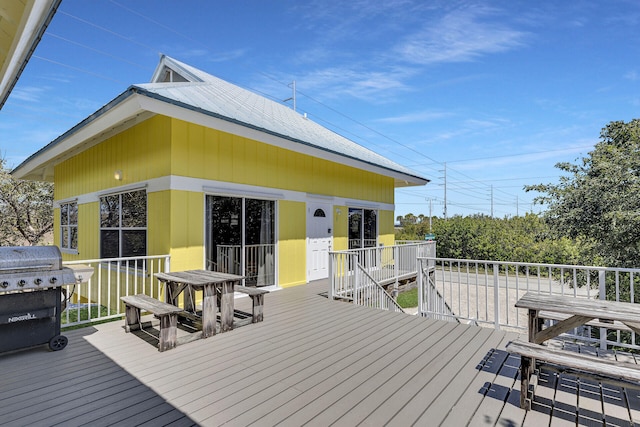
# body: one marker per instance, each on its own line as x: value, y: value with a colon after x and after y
x: 37, y: 267
x: 25, y: 259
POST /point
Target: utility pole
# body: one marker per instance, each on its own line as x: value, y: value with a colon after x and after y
x: 292, y: 85
x: 444, y: 211
x: 517, y: 206
x: 491, y: 200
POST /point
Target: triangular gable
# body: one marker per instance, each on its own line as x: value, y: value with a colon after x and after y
x: 171, y: 71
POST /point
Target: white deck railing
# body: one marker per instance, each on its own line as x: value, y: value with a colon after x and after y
x: 384, y: 264
x: 99, y: 298
x: 368, y: 293
x: 485, y: 292
x: 258, y: 261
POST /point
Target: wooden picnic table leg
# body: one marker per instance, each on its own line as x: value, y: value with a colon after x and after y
x: 189, y: 301
x: 171, y: 293
x: 535, y: 325
x: 226, y: 306
x: 528, y: 364
x: 168, y: 332
x: 209, y: 310
x: 525, y: 377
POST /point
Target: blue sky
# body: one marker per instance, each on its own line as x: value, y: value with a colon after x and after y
x: 499, y: 91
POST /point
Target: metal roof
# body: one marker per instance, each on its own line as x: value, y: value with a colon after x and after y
x: 194, y: 91
x: 211, y: 94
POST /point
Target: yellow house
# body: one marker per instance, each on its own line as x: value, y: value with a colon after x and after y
x: 219, y: 178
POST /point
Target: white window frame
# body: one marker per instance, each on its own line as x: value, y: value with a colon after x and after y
x: 120, y: 229
x: 68, y: 227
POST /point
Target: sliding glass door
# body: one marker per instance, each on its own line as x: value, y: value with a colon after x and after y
x: 363, y: 228
x: 240, y: 238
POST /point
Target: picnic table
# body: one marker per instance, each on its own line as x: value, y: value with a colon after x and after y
x: 213, y: 285
x: 570, y: 313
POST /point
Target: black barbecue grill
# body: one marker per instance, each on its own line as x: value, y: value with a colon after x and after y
x: 31, y: 280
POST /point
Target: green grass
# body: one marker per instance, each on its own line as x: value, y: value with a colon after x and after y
x: 84, y: 315
x: 408, y: 299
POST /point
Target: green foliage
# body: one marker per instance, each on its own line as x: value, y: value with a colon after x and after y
x: 480, y: 237
x: 598, y: 201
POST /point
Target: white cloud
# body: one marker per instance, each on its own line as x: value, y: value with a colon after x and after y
x: 461, y: 35
x: 356, y: 83
x: 416, y: 117
x: 226, y: 56
x: 27, y: 94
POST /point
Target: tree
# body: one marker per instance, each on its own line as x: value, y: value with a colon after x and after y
x: 26, y: 210
x: 598, y: 201
x: 481, y: 237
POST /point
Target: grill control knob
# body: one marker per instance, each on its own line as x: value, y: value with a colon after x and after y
x: 53, y: 280
x: 4, y: 285
x: 22, y: 282
x: 38, y: 281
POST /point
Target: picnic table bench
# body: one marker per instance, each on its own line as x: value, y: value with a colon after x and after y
x: 257, y: 299
x: 571, y: 313
x: 167, y: 313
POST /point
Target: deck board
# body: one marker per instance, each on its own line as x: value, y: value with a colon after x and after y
x: 311, y: 361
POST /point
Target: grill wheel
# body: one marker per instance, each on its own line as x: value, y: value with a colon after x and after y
x: 58, y: 342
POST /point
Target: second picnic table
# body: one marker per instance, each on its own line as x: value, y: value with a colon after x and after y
x: 571, y: 313
x: 212, y: 284
x: 579, y: 311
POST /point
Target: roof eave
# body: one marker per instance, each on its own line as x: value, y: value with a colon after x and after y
x: 29, y: 36
x: 122, y: 112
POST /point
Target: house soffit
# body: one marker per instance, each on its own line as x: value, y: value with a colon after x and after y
x: 40, y: 166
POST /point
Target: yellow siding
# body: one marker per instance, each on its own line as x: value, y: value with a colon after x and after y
x: 292, y: 243
x: 158, y: 222
x: 211, y: 154
x: 56, y: 227
x: 163, y: 146
x: 385, y: 228
x: 88, y: 231
x: 186, y: 230
x: 141, y: 152
x: 340, y: 228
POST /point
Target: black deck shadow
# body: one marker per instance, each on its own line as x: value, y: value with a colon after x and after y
x: 502, y: 363
x: 79, y: 385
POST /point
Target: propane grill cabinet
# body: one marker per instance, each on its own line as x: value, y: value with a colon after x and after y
x: 31, y: 280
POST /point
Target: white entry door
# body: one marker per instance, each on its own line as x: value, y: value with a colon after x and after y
x: 319, y: 239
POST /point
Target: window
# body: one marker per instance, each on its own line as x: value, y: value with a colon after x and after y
x: 69, y: 226
x: 363, y: 228
x: 123, y: 225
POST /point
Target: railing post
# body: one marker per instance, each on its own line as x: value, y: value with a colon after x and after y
x: 420, y: 288
x: 356, y: 287
x: 496, y: 295
x: 332, y: 280
x: 602, y: 294
x: 396, y: 273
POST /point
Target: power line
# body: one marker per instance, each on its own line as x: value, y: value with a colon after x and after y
x: 477, y: 185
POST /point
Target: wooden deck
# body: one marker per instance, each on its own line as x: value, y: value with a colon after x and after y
x: 312, y: 361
